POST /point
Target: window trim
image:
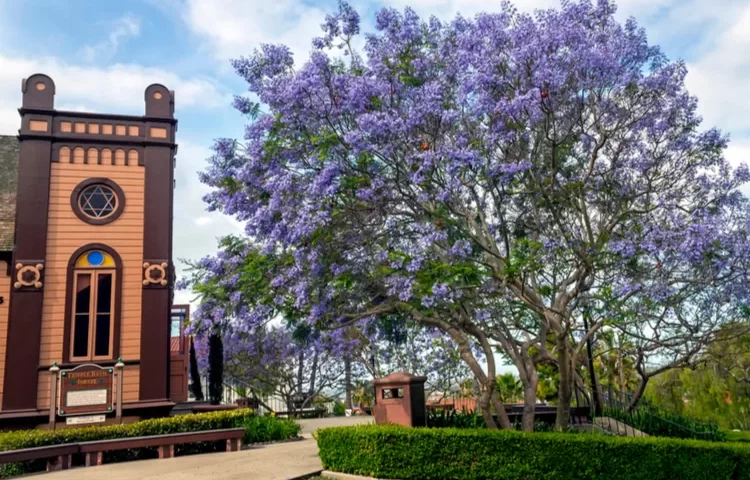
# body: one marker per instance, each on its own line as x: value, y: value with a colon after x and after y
x: 115, y: 321
x: 75, y: 203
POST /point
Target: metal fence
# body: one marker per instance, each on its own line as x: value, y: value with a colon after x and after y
x: 267, y: 404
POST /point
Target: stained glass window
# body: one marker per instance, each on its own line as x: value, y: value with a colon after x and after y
x: 95, y: 259
x: 92, y: 322
x: 98, y: 201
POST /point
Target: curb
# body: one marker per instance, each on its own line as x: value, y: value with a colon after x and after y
x: 345, y: 476
x: 306, y: 475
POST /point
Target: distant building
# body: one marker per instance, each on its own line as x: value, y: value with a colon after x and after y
x: 86, y: 268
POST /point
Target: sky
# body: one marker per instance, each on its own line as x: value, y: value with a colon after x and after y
x: 187, y: 45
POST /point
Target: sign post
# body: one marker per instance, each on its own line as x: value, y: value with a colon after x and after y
x: 120, y: 369
x: 54, y: 371
x: 86, y: 390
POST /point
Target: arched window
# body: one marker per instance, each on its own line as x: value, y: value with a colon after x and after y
x: 93, y: 304
x: 132, y: 157
x: 119, y: 157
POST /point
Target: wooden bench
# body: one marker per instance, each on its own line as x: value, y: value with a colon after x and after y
x: 58, y: 456
x: 93, y: 451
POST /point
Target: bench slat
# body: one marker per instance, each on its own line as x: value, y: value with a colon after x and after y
x: 161, y: 440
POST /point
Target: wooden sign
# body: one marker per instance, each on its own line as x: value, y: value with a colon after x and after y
x: 86, y: 389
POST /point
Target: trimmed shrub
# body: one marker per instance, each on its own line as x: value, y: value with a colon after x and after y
x: 462, y: 454
x: 743, y: 437
x: 258, y: 430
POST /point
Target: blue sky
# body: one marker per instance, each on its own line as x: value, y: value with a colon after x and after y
x: 85, y: 45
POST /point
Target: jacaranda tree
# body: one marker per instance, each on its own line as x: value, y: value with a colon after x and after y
x: 495, y: 178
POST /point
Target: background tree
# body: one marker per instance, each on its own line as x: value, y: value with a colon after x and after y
x: 716, y: 388
x: 615, y: 363
x: 677, y: 332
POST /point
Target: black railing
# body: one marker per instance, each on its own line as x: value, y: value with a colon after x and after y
x: 439, y: 406
x: 618, y: 416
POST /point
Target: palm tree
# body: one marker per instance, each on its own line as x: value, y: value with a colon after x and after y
x: 467, y: 389
x: 509, y: 388
x: 362, y: 394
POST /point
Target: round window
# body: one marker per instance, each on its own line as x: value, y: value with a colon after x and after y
x: 97, y: 201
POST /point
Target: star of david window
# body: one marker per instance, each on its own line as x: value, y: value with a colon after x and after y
x: 97, y: 201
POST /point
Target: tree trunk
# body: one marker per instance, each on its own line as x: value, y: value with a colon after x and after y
x: 300, y: 372
x: 621, y: 375
x: 529, y: 402
x: 527, y: 374
x: 564, y: 392
x: 639, y: 392
x: 502, y: 415
x: 484, y: 406
x: 486, y: 385
x: 314, y: 371
x: 596, y: 388
x: 348, y: 381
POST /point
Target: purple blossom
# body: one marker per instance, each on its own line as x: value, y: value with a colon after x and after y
x: 451, y: 161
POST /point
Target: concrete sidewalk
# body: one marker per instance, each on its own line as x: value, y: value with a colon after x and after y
x: 312, y: 424
x: 279, y: 461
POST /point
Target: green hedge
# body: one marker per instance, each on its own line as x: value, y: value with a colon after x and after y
x: 738, y: 436
x: 462, y: 454
x: 257, y: 430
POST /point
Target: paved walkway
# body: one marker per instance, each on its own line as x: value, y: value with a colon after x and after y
x: 279, y: 461
x: 309, y: 426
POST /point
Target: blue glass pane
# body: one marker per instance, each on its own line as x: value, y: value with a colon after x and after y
x: 95, y: 258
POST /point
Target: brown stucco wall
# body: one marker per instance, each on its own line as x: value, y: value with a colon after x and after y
x: 66, y: 233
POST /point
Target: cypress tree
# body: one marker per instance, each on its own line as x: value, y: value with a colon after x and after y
x: 195, y: 377
x: 215, y: 368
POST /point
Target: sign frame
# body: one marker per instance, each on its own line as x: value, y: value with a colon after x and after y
x: 103, y: 378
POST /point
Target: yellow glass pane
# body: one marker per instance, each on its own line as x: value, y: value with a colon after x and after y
x: 95, y: 259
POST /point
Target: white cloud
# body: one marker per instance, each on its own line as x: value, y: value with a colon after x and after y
x: 236, y: 27
x: 720, y: 77
x: 738, y: 152
x: 192, y: 240
x: 117, y: 87
x: 126, y: 26
x: 448, y: 8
